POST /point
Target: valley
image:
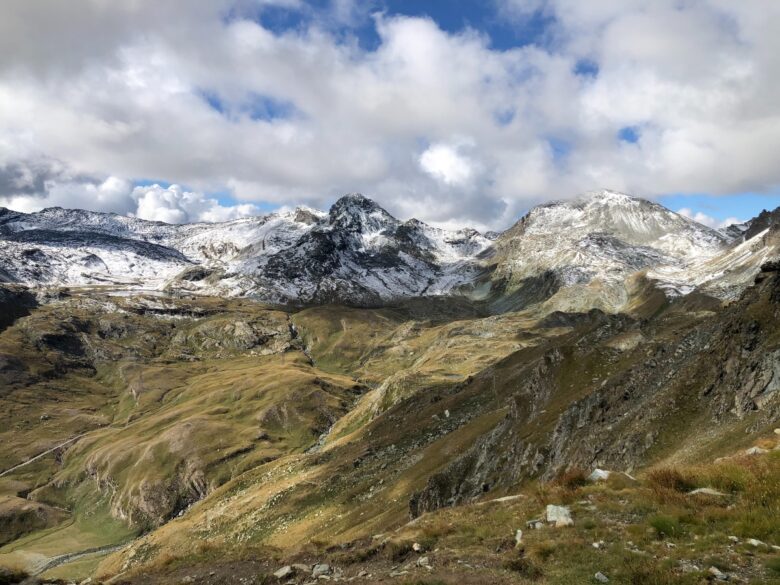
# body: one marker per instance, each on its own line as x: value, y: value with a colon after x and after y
x: 183, y: 430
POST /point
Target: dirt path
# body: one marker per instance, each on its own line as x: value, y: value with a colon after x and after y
x: 67, y: 558
x: 39, y: 455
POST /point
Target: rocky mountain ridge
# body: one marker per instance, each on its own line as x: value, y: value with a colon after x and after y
x: 569, y: 255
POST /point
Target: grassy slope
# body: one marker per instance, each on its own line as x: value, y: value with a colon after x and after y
x: 187, y: 413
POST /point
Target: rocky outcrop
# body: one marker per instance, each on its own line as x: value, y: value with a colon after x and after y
x: 15, y: 302
x: 635, y: 406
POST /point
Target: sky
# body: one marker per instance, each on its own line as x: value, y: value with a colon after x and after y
x: 458, y: 113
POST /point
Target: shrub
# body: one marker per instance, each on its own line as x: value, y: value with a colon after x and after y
x: 642, y: 571
x: 523, y: 567
x: 773, y: 566
x: 666, y: 526
x: 571, y: 479
x: 543, y: 550
x: 670, y: 478
x: 397, y: 551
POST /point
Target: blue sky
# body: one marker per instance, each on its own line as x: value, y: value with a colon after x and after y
x: 459, y: 113
x: 504, y: 34
x: 742, y: 206
x: 450, y: 15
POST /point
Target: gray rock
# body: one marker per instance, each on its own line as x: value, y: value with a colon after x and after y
x: 559, y: 516
x: 717, y: 574
x: 599, y: 475
x: 689, y: 567
x: 301, y: 567
x: 320, y: 570
x: 284, y: 572
x: 601, y: 577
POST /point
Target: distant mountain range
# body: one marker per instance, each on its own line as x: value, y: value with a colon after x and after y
x: 599, y: 250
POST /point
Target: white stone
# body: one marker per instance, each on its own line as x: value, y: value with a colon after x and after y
x: 560, y: 516
x: 284, y: 572
x: 599, y: 475
x: 705, y: 491
x: 601, y: 577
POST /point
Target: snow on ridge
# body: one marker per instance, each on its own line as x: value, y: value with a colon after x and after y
x: 358, y: 252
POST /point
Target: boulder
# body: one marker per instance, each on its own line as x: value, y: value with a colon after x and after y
x: 320, y: 569
x: 559, y: 516
x: 599, y: 475
x: 717, y: 574
x: 601, y: 577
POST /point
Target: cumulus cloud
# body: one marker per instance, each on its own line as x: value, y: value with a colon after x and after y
x: 30, y: 186
x: 173, y: 204
x: 708, y: 220
x: 446, y: 163
x: 203, y: 94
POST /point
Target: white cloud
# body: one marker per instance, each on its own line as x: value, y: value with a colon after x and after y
x: 134, y: 90
x: 445, y: 163
x: 708, y: 220
x: 175, y: 205
x: 169, y: 204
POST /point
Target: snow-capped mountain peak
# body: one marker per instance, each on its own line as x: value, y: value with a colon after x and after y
x: 572, y: 254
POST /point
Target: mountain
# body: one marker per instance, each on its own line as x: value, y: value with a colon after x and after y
x: 356, y: 253
x: 591, y: 250
x: 600, y: 250
x: 418, y: 397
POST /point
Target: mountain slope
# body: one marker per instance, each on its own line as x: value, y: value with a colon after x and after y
x: 603, y: 250
x: 589, y: 247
